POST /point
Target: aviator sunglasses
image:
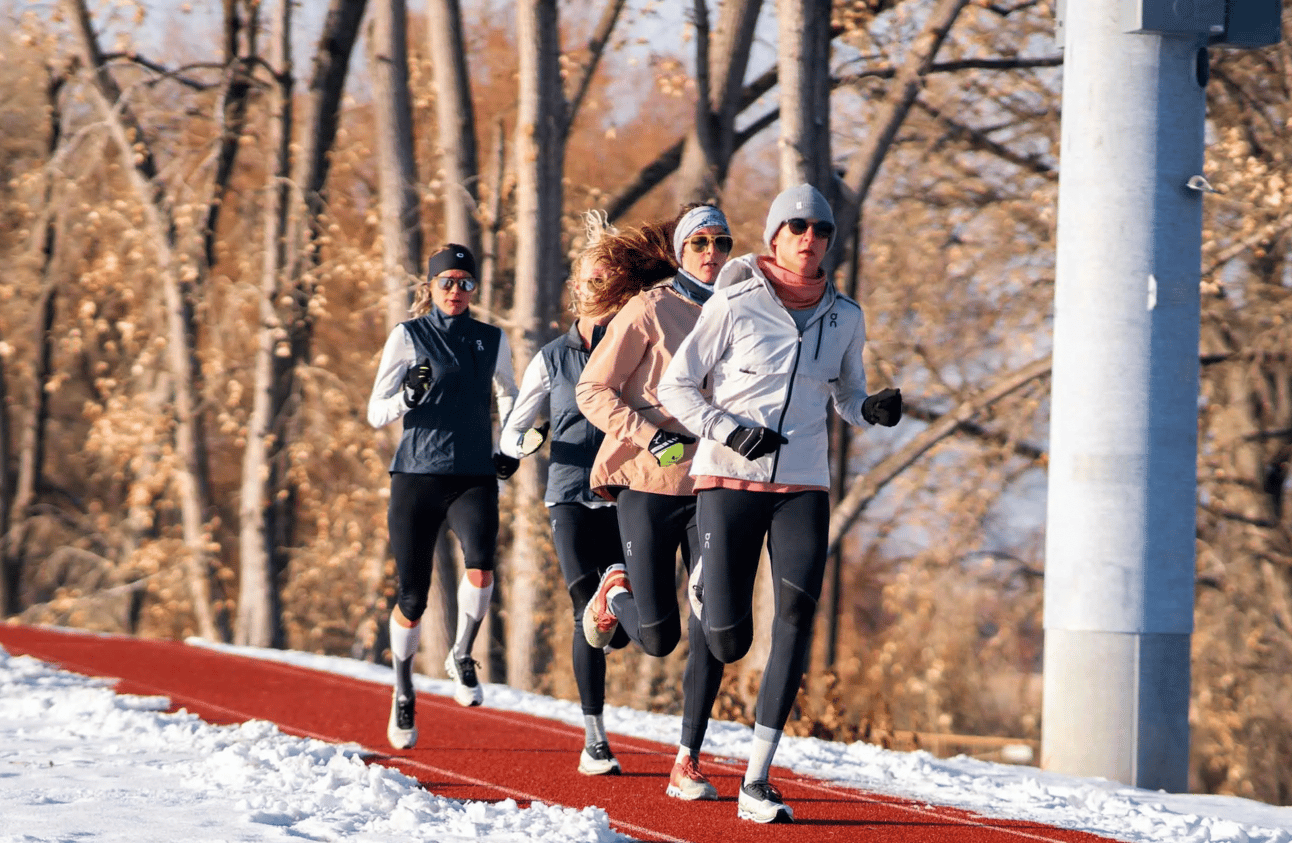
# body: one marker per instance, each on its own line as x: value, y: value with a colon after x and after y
x: 446, y: 282
x: 721, y: 242
x: 820, y: 228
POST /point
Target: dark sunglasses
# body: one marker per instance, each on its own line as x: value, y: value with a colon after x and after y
x: 820, y: 228
x: 446, y: 282
x: 721, y: 242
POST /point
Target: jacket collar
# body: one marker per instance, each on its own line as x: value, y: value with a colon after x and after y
x: 448, y: 323
x: 691, y: 287
x: 745, y: 268
x: 575, y: 340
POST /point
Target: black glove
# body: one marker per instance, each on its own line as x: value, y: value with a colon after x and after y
x: 504, y: 466
x: 667, y: 446
x: 417, y: 382
x: 884, y: 407
x: 754, y: 442
x: 533, y: 439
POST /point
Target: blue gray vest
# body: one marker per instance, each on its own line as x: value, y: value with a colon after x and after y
x: 574, y: 439
x: 451, y: 432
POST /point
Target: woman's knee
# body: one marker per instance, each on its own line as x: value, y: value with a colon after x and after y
x: 732, y: 643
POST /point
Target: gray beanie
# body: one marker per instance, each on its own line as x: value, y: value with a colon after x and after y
x: 803, y: 201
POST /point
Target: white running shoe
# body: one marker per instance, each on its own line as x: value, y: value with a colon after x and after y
x: 463, y: 673
x: 687, y: 783
x: 598, y: 760
x: 401, y: 731
x: 761, y: 802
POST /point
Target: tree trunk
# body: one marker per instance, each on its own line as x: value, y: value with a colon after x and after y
x: 909, y: 80
x: 721, y: 63
x: 493, y: 220
x: 540, y: 153
x: 291, y: 233
x: 177, y: 275
x: 258, y: 622
x: 401, y: 230
x: 456, y: 124
x: 804, y: 70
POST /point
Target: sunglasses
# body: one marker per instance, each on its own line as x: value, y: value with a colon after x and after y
x: 820, y: 228
x: 446, y: 282
x: 721, y: 242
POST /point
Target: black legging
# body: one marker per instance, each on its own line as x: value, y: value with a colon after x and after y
x: 587, y: 542
x: 796, y: 525
x: 654, y: 527
x: 419, y: 506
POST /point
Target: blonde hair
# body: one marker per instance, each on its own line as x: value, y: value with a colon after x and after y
x: 596, y: 225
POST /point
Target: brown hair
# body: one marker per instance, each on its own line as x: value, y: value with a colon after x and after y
x: 634, y: 259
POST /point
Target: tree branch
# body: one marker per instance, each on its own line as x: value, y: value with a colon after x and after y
x: 867, y: 486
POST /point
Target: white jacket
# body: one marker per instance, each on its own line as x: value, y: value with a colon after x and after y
x: 765, y: 373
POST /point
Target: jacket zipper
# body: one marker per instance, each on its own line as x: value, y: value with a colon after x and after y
x: 789, y: 393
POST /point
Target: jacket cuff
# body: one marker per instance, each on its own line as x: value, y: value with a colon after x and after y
x: 723, y: 428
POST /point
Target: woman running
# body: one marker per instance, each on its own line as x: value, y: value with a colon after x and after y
x: 777, y: 341
x: 644, y: 464
x: 585, y: 526
x: 437, y: 371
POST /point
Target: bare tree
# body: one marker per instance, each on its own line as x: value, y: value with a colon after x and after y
x: 455, y: 123
x: 721, y: 62
x: 293, y: 224
x: 543, y: 124
x: 177, y: 272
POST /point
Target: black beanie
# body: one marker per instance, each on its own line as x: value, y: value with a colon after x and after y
x: 452, y: 256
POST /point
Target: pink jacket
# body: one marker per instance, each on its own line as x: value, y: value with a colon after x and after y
x: 617, y: 393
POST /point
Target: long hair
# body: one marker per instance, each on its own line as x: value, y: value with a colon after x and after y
x: 633, y: 259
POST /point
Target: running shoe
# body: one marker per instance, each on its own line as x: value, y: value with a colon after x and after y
x: 599, y: 621
x: 686, y: 782
x: 401, y: 731
x: 598, y: 760
x: 463, y: 673
x: 761, y: 802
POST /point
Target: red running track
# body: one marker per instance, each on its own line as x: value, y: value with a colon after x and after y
x: 484, y: 754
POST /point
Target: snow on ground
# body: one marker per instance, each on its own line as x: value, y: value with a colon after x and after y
x: 79, y: 762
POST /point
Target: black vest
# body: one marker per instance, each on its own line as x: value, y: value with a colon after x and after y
x: 451, y: 432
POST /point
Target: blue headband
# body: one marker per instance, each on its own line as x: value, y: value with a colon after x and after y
x: 694, y: 220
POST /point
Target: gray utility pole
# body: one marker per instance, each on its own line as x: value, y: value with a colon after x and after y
x: 1119, y: 571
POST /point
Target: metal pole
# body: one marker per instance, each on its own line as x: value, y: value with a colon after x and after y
x: 1122, y: 482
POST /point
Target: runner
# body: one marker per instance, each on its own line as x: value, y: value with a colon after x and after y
x: 436, y: 373
x: 585, y: 526
x: 644, y: 464
x: 777, y: 341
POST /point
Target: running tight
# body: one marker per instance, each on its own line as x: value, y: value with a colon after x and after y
x: 654, y: 527
x: 419, y: 505
x: 732, y: 525
x: 587, y: 542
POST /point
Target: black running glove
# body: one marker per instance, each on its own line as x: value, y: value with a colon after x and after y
x: 884, y: 407
x: 667, y: 446
x: 504, y: 466
x: 532, y: 439
x: 417, y: 382
x: 754, y: 442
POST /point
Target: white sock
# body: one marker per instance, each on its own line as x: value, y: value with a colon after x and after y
x: 682, y: 754
x: 761, y: 753
x: 473, y: 602
x: 594, y: 729
x: 403, y: 639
